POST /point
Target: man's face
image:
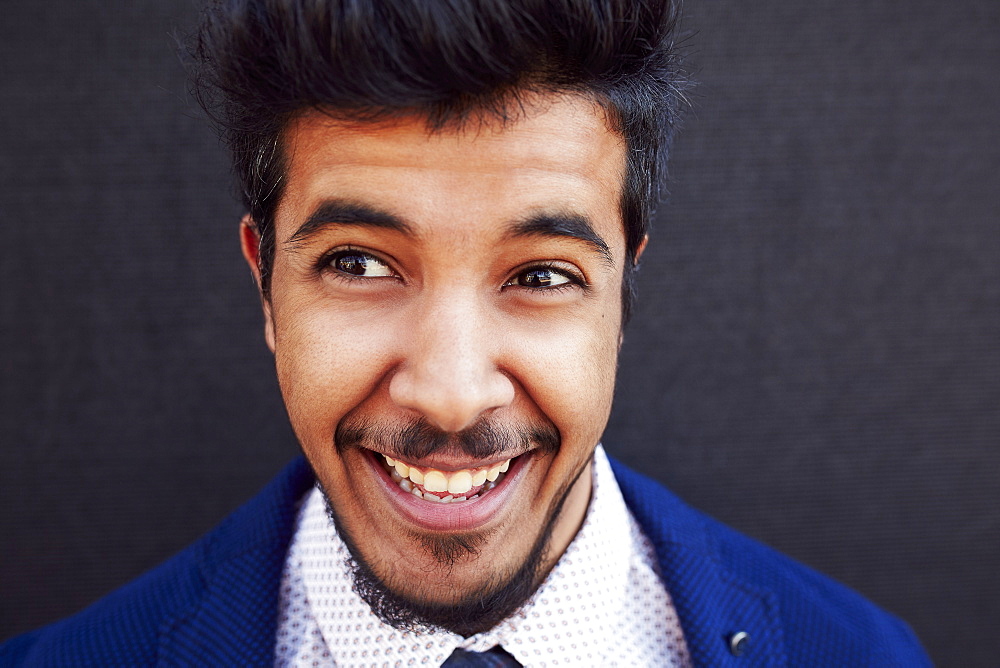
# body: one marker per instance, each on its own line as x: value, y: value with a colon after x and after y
x: 451, y: 300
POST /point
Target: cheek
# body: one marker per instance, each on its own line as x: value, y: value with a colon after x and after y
x: 326, y: 363
x: 569, y: 372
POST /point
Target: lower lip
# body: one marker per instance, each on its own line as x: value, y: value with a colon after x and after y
x: 451, y: 517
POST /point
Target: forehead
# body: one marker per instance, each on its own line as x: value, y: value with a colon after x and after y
x: 559, y: 154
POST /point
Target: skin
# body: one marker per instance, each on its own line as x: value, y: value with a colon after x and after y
x: 442, y: 326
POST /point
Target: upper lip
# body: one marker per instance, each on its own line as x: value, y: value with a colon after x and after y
x: 442, y: 462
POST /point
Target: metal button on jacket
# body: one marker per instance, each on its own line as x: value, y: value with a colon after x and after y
x: 738, y: 643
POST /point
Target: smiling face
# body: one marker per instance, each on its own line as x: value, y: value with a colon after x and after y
x: 441, y: 303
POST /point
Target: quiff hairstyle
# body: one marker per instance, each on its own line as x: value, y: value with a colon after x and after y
x: 257, y: 64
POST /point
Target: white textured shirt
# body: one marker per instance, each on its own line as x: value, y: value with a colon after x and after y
x: 602, y: 604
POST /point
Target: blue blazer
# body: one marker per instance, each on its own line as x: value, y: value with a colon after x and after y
x: 216, y: 603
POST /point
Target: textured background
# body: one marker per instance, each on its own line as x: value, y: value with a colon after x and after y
x: 815, y: 358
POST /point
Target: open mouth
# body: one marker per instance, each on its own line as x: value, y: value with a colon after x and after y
x: 449, y: 499
x: 444, y: 486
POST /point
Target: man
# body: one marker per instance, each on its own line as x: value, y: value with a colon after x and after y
x: 447, y: 202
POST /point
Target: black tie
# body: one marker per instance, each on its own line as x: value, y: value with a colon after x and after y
x: 494, y: 658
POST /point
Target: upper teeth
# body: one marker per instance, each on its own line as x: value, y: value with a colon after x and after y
x: 454, y: 482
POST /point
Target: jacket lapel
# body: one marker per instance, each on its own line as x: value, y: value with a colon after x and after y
x: 234, y: 621
x: 713, y: 603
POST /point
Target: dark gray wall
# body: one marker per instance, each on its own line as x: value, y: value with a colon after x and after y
x: 814, y: 359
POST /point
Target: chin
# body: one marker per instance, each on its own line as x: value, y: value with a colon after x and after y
x: 463, y: 581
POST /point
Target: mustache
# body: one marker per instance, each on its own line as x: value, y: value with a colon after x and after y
x: 417, y: 439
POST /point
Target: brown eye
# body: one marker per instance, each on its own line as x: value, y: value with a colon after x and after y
x: 356, y: 263
x: 541, y: 278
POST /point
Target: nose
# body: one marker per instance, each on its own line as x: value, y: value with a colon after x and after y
x: 450, y: 374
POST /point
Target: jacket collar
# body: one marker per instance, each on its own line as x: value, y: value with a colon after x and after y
x: 712, y: 602
x: 234, y: 621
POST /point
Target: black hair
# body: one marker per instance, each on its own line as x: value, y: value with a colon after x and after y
x: 259, y: 63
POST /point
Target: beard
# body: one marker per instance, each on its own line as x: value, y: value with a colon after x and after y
x: 503, y: 593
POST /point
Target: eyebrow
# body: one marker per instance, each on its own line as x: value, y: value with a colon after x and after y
x: 345, y: 212
x: 565, y: 225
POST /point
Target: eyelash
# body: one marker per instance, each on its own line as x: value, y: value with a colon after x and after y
x: 574, y: 280
x: 325, y: 264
